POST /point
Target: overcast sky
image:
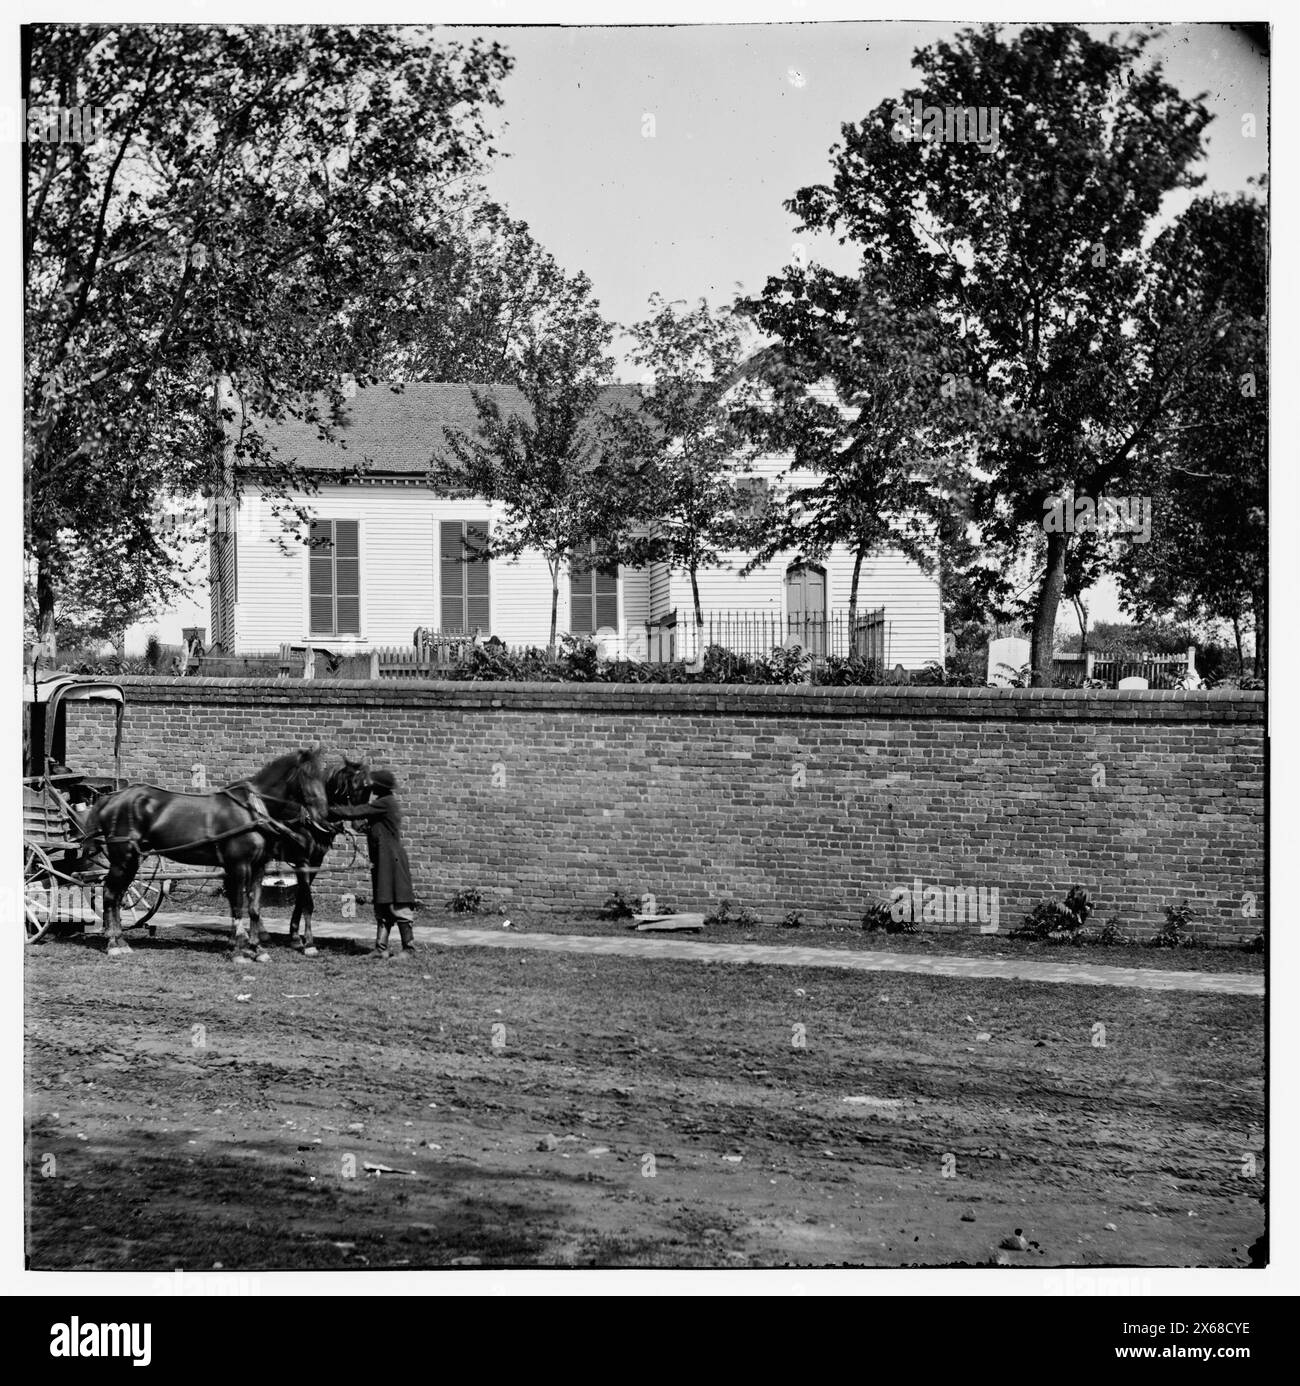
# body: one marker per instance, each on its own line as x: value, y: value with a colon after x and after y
x: 744, y: 115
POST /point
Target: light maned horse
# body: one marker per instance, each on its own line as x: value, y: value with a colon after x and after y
x: 238, y: 828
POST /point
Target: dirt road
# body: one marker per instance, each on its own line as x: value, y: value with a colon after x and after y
x: 569, y: 1109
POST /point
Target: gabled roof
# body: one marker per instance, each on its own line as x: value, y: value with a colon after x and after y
x: 390, y: 430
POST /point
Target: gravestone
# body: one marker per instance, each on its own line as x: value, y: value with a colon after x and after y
x: 1006, y: 659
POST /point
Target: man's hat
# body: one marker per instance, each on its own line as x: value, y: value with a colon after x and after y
x: 384, y: 780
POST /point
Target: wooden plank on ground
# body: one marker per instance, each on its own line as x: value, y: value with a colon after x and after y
x: 668, y: 923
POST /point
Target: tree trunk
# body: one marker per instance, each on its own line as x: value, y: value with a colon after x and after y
x: 699, y: 614
x: 1236, y: 635
x: 853, y: 598
x: 1259, y: 605
x: 45, y: 597
x: 1081, y: 615
x: 555, y: 603
x: 1049, y: 600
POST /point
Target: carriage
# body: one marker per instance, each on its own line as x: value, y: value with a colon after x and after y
x: 62, y: 879
x: 66, y: 857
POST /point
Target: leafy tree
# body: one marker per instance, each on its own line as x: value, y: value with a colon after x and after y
x: 865, y: 396
x: 481, y: 291
x: 1206, y: 468
x: 1034, y: 243
x: 974, y: 587
x: 685, y: 442
x: 254, y: 207
x: 547, y: 465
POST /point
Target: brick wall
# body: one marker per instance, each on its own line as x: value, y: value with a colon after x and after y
x: 812, y: 799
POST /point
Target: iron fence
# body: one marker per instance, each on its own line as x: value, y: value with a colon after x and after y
x: 757, y: 633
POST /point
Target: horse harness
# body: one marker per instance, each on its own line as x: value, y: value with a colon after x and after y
x: 254, y: 804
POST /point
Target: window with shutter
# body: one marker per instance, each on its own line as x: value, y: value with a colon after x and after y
x: 322, y: 577
x: 335, y: 577
x: 593, y: 597
x: 465, y: 579
x: 751, y: 497
x: 347, y: 577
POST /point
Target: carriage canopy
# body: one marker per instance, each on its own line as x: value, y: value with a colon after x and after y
x: 45, y: 729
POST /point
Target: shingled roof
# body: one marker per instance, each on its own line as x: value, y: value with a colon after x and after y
x: 396, y: 431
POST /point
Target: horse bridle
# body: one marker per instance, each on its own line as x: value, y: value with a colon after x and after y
x: 257, y: 800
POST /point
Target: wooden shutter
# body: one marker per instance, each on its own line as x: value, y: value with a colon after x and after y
x: 593, y: 597
x: 581, y: 606
x: 606, y: 596
x: 466, y: 603
x: 321, y: 564
x: 347, y: 578
x: 452, y: 572
x: 478, y: 607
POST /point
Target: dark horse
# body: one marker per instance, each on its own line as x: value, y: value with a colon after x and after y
x: 239, y: 828
x: 346, y: 785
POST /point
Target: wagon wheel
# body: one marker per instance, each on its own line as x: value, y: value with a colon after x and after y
x: 40, y: 906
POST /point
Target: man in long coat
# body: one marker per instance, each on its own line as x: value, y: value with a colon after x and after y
x: 390, y: 871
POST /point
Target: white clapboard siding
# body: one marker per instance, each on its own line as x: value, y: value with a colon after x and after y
x: 521, y: 600
x: 399, y: 534
x: 266, y: 591
x: 913, y: 612
x: 396, y: 543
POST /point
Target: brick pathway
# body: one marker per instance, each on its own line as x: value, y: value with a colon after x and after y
x: 783, y: 955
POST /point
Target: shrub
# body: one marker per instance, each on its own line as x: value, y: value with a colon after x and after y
x: 879, y: 916
x: 1173, y: 932
x: 1247, y: 683
x: 792, y: 920
x: 740, y: 917
x: 1050, y: 917
x: 721, y: 665
x: 966, y: 669
x: 1015, y: 678
x: 498, y: 662
x: 579, y: 661
x: 850, y: 671
x: 619, y: 906
x: 786, y: 666
x: 466, y: 901
x: 1111, y: 933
